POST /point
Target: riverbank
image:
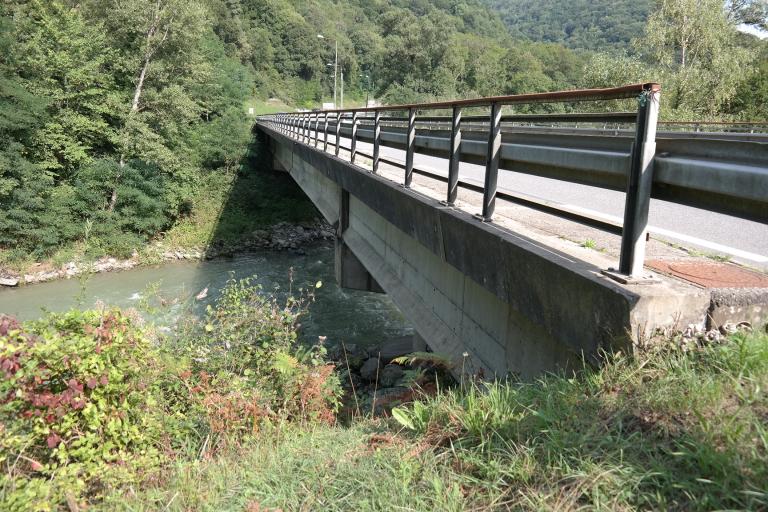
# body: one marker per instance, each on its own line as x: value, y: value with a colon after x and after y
x: 233, y: 213
x: 280, y: 237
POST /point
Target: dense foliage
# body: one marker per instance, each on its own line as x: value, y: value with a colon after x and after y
x: 114, y: 113
x: 92, y: 400
x: 578, y: 24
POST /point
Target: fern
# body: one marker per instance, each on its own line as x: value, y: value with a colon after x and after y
x: 437, y: 360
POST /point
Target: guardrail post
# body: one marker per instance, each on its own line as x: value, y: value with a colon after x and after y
x: 353, y: 143
x: 492, y: 163
x: 317, y: 129
x: 638, y: 197
x: 325, y: 133
x: 338, y: 133
x: 307, y: 128
x: 410, y: 142
x: 376, y: 140
x: 455, y: 157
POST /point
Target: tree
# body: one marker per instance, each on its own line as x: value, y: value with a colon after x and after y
x: 749, y: 12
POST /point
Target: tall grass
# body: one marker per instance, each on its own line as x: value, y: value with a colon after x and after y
x: 663, y: 430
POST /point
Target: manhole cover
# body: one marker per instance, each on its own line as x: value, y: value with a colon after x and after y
x: 711, y: 274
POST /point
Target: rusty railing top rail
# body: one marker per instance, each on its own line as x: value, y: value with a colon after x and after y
x: 612, y: 93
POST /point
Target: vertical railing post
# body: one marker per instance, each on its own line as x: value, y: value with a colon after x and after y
x: 410, y: 147
x: 325, y: 132
x: 353, y: 143
x: 492, y: 163
x: 454, y: 157
x: 338, y: 131
x: 303, y: 130
x: 314, y: 132
x: 638, y: 197
x: 376, y: 140
x: 307, y: 128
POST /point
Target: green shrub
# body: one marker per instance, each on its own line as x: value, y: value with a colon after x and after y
x: 248, y: 339
x: 78, y: 405
x: 89, y: 401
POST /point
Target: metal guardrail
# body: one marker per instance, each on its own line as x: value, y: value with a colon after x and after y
x: 723, y: 172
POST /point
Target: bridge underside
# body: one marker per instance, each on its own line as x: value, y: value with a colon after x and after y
x: 513, y: 304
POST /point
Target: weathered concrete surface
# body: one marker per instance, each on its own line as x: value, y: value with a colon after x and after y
x: 733, y: 305
x: 512, y: 303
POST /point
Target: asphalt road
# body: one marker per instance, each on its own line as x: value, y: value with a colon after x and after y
x: 712, y: 233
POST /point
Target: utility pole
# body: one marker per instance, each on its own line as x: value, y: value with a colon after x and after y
x: 335, y: 70
x: 342, y: 88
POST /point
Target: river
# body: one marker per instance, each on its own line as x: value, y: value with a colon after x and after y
x: 341, y: 315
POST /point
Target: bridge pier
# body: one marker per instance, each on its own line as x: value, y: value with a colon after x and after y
x: 350, y: 271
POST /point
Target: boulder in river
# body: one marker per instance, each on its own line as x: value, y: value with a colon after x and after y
x: 370, y: 369
x: 9, y: 281
x: 390, y: 375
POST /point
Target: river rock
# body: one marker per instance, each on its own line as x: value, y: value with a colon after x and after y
x: 9, y: 281
x: 395, y: 347
x: 390, y: 375
x: 370, y: 369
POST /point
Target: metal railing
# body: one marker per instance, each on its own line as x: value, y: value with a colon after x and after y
x: 726, y: 174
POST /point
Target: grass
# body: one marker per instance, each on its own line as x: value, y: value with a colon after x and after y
x: 662, y: 430
x: 271, y: 106
x: 232, y: 206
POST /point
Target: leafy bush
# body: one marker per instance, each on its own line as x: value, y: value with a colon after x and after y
x: 89, y: 401
x: 250, y: 338
x: 77, y: 397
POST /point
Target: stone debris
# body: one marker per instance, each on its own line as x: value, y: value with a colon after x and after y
x: 9, y: 281
x: 281, y: 236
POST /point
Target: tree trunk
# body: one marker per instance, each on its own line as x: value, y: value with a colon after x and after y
x: 148, y: 52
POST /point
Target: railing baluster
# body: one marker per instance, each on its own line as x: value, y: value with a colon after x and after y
x: 353, y: 143
x: 638, y: 197
x: 325, y: 133
x: 492, y: 163
x: 376, y: 140
x: 339, y: 116
x: 455, y: 157
x: 410, y: 146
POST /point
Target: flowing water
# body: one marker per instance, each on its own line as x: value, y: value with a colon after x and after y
x: 341, y: 315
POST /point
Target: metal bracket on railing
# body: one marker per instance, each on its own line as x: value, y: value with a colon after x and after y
x: 338, y: 132
x: 353, y: 140
x: 638, y: 196
x: 410, y: 147
x: 492, y: 163
x: 454, y: 157
x: 325, y: 133
x: 376, y: 141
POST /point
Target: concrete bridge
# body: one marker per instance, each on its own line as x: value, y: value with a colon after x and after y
x: 511, y: 298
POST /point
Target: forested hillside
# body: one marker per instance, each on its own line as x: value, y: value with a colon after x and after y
x: 115, y: 115
x: 581, y: 24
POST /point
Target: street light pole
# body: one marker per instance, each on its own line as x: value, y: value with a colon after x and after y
x: 335, y: 69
